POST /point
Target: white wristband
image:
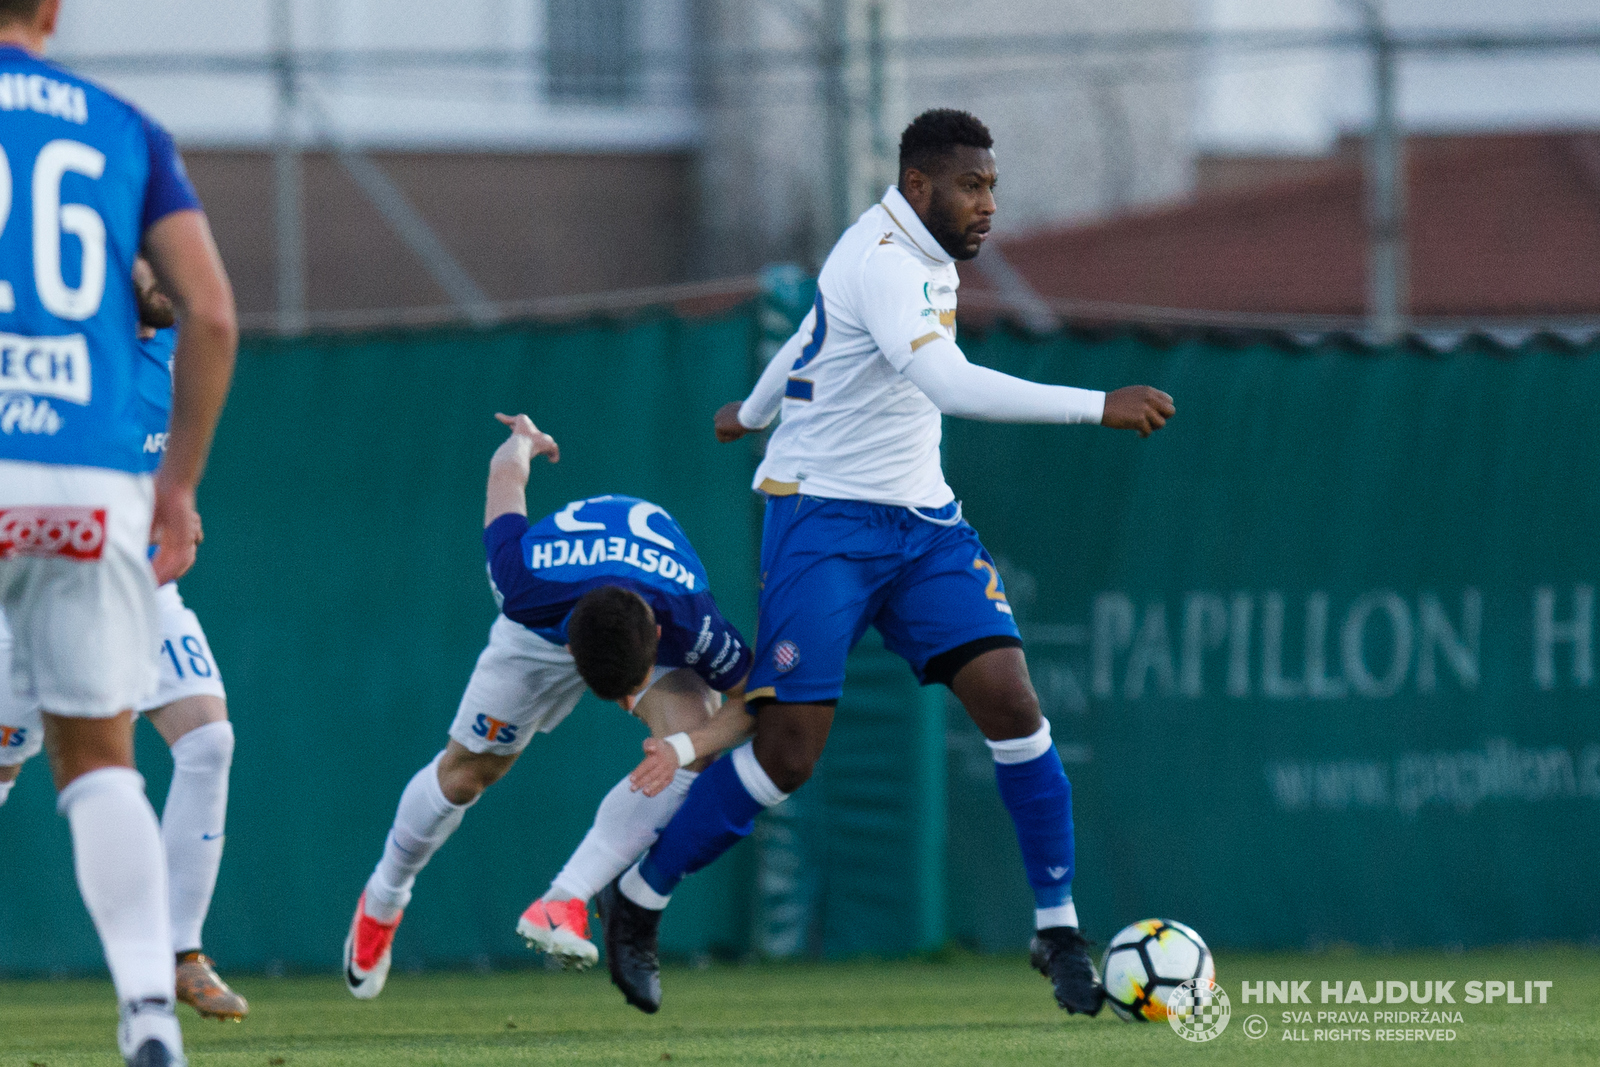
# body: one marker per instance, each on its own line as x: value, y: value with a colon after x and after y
x: 683, y: 746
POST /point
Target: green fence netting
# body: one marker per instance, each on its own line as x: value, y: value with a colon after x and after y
x: 1319, y: 657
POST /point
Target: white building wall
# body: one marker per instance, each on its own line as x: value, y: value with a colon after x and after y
x: 1299, y: 102
x: 490, y: 97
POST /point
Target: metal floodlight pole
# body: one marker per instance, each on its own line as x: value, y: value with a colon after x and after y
x: 1387, y: 261
x: 288, y: 180
x: 877, y: 103
x: 833, y: 51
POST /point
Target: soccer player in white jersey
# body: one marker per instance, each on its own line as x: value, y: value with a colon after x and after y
x: 189, y: 709
x: 605, y: 594
x: 861, y: 529
x: 92, y: 182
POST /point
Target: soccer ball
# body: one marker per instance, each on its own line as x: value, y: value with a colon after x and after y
x: 1146, y: 962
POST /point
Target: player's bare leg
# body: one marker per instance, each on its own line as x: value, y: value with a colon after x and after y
x: 998, y: 695
x: 626, y: 823
x: 8, y: 778
x: 197, y: 731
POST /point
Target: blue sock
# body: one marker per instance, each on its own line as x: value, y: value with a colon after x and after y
x: 716, y: 815
x: 1039, y: 798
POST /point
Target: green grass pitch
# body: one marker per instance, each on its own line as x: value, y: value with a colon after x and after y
x: 958, y: 1010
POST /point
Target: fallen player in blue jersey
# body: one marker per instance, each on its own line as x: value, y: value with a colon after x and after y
x: 605, y: 594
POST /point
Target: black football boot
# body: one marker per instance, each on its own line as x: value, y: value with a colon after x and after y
x: 631, y: 955
x: 1061, y: 954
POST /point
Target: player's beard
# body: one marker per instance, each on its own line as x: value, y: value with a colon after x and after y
x: 941, y: 222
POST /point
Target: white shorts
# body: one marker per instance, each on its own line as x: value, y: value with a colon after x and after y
x: 522, y: 685
x: 77, y: 588
x: 187, y: 667
x: 21, y: 729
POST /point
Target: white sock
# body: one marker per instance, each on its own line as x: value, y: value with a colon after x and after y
x: 1060, y: 915
x: 424, y: 821
x: 122, y: 874
x: 5, y: 790
x: 192, y: 824
x: 625, y: 824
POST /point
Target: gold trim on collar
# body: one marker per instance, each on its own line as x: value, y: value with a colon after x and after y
x: 925, y: 339
x: 905, y: 231
x: 766, y: 692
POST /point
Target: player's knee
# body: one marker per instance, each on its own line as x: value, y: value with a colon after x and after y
x: 206, y: 749
x: 787, y: 756
x: 788, y: 769
x: 1009, y: 711
x: 463, y: 775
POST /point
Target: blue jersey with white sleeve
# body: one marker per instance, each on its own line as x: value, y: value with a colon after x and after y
x: 153, y: 393
x: 84, y: 174
x: 540, y: 571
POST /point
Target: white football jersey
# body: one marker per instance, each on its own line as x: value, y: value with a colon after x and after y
x: 853, y: 427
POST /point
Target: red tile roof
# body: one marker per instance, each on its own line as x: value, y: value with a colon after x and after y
x: 1499, y: 225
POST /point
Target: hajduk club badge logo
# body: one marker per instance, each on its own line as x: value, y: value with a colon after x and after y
x: 785, y: 656
x: 1198, y: 1010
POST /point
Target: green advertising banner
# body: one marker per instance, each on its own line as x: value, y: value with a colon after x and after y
x: 1319, y: 657
x: 343, y: 590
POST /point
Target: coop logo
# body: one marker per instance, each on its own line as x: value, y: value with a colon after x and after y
x: 1198, y: 1010
x: 13, y: 737
x: 76, y: 533
x: 785, y: 657
x: 494, y: 731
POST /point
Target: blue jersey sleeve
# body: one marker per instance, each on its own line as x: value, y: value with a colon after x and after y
x: 502, y: 542
x: 169, y: 188
x: 698, y: 637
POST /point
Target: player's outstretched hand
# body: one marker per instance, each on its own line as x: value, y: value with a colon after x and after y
x: 656, y: 771
x: 175, y: 530
x: 728, y: 426
x: 541, y: 443
x: 1137, y: 407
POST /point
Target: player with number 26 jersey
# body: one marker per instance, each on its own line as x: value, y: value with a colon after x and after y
x: 84, y: 174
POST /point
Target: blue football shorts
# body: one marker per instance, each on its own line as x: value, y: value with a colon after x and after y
x: 832, y: 567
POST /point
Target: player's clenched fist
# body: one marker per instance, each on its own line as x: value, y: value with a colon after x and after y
x: 1137, y: 407
x: 728, y: 426
x: 175, y: 530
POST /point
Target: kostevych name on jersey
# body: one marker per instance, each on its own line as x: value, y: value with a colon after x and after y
x: 576, y: 553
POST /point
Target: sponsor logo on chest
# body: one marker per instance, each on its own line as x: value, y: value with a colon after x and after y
x: 45, y: 366
x: 20, y: 413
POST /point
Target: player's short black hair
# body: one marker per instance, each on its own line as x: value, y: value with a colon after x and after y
x: 18, y: 10
x: 933, y: 134
x: 612, y: 635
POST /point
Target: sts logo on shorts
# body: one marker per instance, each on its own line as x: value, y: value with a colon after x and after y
x: 13, y: 737
x: 494, y: 731
x: 785, y: 656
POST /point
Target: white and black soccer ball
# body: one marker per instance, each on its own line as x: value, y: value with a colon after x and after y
x: 1146, y: 962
